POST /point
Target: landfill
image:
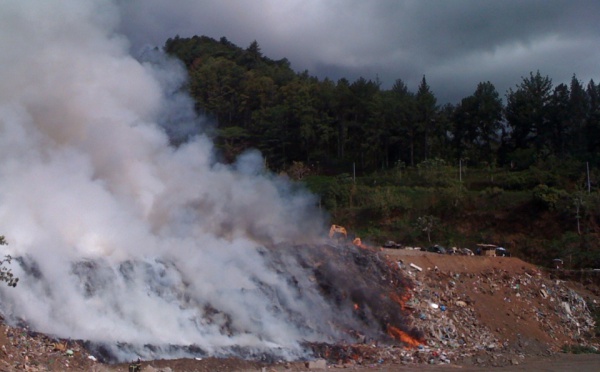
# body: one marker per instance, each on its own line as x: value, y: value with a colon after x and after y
x: 467, y: 310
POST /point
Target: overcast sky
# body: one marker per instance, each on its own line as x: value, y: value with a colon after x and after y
x: 454, y: 43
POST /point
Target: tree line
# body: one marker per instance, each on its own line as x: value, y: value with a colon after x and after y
x: 295, y: 117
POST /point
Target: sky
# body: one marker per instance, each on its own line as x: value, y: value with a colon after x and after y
x: 454, y: 44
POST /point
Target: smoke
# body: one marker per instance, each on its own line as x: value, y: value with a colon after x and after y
x: 121, y: 238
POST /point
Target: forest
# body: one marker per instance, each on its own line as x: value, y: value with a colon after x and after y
x: 518, y: 169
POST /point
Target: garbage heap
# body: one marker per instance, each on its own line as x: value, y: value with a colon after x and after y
x: 494, y: 317
x: 24, y: 350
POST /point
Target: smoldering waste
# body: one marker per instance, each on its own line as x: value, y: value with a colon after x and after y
x: 331, y: 295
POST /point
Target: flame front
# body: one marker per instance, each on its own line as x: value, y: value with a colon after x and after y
x: 401, y: 300
x: 404, y: 337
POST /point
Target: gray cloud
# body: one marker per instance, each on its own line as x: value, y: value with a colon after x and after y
x: 456, y: 44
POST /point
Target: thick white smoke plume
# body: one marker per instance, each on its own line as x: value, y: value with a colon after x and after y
x: 118, y: 236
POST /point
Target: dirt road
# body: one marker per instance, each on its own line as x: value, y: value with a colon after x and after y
x: 555, y: 363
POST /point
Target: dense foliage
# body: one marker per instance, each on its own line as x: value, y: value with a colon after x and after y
x: 395, y: 164
x: 261, y: 103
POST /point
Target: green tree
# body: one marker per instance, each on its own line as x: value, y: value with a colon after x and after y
x: 559, y: 119
x: 405, y: 120
x: 426, y: 110
x: 343, y: 102
x: 6, y: 274
x: 382, y: 130
x: 252, y: 57
x: 527, y: 112
x: 323, y: 103
x: 487, y: 113
x: 233, y: 141
x: 216, y: 85
x: 578, y: 113
x: 427, y: 224
x: 300, y: 117
x: 363, y: 94
x: 592, y: 127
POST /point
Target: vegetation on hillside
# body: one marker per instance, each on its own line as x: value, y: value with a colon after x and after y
x: 521, y: 172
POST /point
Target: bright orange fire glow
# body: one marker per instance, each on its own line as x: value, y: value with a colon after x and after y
x: 356, y: 307
x: 404, y: 337
x: 358, y: 242
x: 401, y: 300
x: 395, y: 332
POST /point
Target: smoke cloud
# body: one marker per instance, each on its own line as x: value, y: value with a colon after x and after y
x: 119, y: 237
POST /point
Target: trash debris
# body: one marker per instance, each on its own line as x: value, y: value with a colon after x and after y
x: 416, y: 267
x: 448, y: 306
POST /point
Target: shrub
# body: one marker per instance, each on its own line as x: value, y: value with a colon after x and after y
x: 6, y: 274
x: 492, y: 192
x: 547, y: 197
x: 580, y: 349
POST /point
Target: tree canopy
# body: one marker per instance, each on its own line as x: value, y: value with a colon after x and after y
x: 292, y: 116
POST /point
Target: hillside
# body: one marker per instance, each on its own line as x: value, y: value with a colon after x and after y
x: 380, y: 159
x: 536, y: 228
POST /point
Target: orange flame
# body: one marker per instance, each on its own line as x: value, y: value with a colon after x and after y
x: 358, y: 242
x: 401, y: 300
x: 404, y: 337
x: 395, y: 332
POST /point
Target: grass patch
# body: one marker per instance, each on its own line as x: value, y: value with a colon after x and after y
x: 580, y: 349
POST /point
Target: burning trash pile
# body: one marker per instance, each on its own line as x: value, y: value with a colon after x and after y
x: 487, y: 316
x: 368, y: 292
x: 384, y: 312
x: 327, y: 295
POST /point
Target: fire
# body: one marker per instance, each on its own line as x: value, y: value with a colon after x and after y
x: 401, y: 300
x: 404, y: 337
x: 356, y: 307
x: 397, y: 333
x: 358, y: 242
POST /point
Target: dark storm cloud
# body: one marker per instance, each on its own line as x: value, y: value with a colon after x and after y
x: 456, y: 44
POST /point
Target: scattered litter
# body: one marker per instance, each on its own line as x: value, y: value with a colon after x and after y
x: 456, y: 332
x: 416, y: 267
